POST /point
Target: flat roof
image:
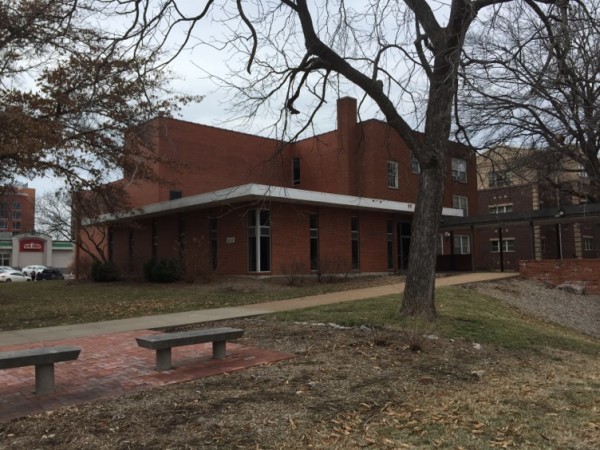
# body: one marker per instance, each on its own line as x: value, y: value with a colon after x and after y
x: 261, y: 192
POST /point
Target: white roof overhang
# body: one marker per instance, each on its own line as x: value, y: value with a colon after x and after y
x: 261, y: 192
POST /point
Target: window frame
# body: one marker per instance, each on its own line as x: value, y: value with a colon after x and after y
x: 393, y: 179
x: 459, y: 173
x: 295, y: 171
x: 500, y: 208
x: 461, y: 238
x: 456, y: 203
x: 507, y: 243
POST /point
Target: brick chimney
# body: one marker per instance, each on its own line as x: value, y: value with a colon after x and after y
x: 348, y: 145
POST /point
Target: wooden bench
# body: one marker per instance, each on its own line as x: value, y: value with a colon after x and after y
x: 163, y: 343
x: 43, y: 359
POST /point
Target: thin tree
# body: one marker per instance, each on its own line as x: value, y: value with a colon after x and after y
x: 296, y: 51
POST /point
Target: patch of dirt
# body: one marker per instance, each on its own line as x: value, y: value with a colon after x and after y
x: 345, y: 390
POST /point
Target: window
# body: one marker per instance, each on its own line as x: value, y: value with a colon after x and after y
x: 462, y: 245
x: 500, y: 209
x: 4, y: 259
x: 154, y: 240
x: 212, y: 230
x: 16, y: 215
x: 390, y: 244
x: 111, y: 244
x: 314, y: 241
x: 588, y: 243
x: 259, y: 240
x: 461, y: 202
x: 3, y: 225
x: 175, y: 195
x: 582, y: 172
x: 3, y: 211
x: 355, y: 243
x: 392, y: 174
x: 131, y: 245
x: 459, y: 170
x: 296, y: 171
x: 181, y: 236
x: 16, y: 206
x: 508, y: 245
x: 499, y: 179
x: 415, y: 165
x: 16, y: 226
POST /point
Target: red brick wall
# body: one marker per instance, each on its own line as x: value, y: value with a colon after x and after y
x: 557, y: 272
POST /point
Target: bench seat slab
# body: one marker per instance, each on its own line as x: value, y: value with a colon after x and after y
x: 162, y: 343
x: 43, y: 359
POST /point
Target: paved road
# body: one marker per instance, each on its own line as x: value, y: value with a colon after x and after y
x: 208, y: 315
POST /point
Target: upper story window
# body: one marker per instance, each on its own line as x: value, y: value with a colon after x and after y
x: 295, y: 171
x: 459, y: 169
x: 500, y: 209
x: 588, y: 243
x: 499, y: 179
x: 3, y: 211
x: 16, y: 206
x: 392, y: 174
x: 415, y: 165
x: 461, y: 202
x: 3, y: 224
x: 175, y: 195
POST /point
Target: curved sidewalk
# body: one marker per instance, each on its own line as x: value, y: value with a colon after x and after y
x: 28, y: 336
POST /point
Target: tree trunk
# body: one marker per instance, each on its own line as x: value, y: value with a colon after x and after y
x: 419, y: 294
x: 419, y: 298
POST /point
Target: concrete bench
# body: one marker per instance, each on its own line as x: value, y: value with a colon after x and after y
x: 163, y: 343
x: 43, y: 359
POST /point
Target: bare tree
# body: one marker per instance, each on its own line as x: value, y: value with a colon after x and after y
x: 296, y: 51
x: 533, y: 84
x: 53, y: 214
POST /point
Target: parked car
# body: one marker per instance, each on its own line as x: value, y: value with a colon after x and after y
x: 13, y: 276
x: 28, y: 271
x: 49, y: 274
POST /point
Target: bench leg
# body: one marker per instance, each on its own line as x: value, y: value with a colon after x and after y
x: 44, y: 378
x: 219, y: 351
x: 163, y: 359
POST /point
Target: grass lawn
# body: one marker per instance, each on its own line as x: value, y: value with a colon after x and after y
x: 32, y: 305
x: 463, y: 313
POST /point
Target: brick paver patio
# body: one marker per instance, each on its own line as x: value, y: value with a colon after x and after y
x: 112, y: 365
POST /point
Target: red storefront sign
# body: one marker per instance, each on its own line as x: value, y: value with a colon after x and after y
x: 32, y: 245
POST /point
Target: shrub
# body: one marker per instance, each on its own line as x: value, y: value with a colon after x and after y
x: 105, y: 271
x: 164, y: 270
x: 294, y: 271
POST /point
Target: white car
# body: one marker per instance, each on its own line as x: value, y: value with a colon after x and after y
x: 13, y: 276
x: 5, y: 268
x: 27, y: 271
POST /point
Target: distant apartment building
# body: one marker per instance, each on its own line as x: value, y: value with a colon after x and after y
x: 17, y: 209
x: 529, y: 208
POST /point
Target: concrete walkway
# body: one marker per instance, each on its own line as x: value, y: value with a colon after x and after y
x: 29, y: 336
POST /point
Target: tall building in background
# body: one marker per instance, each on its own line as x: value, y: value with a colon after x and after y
x: 17, y: 209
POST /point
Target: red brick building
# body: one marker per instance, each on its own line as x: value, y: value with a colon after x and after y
x: 521, y: 216
x: 338, y: 202
x: 17, y: 209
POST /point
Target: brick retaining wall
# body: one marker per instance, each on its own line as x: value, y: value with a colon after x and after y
x: 557, y: 272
